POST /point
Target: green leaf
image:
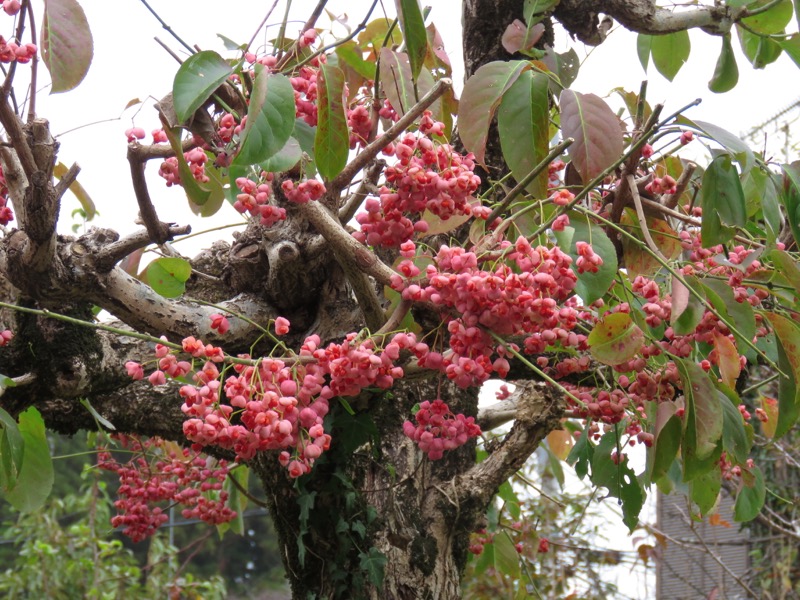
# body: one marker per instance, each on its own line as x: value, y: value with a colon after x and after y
x: 373, y: 563
x: 750, y: 499
x: 351, y: 54
x: 615, y: 339
x: 670, y: 52
x: 565, y: 65
x: 735, y: 441
x: 761, y: 196
x: 786, y: 266
x: 66, y: 44
x: 216, y: 191
x: 196, y: 80
x: 759, y: 50
x: 726, y: 73
x: 771, y: 21
x: 36, y: 475
x: 667, y: 440
x: 285, y: 159
x: 305, y: 135
x: 270, y: 118
x: 721, y: 297
x: 581, y: 454
x: 374, y: 35
x: 414, y: 34
x: 482, y: 95
x: 236, y: 499
x: 168, y: 276
x: 704, y: 417
x: 534, y: 10
x: 790, y: 196
x: 596, y: 130
x: 523, y: 122
x: 788, y: 336
x: 590, y: 286
x: 704, y: 490
x: 96, y: 415
x: 618, y: 478
x: 740, y: 150
x: 644, y: 47
x: 196, y: 193
x: 722, y: 199
x: 332, y: 141
x: 12, y: 451
x: 506, y: 557
x: 791, y: 46
x: 507, y: 494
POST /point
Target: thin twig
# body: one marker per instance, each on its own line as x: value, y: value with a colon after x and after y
x: 637, y: 202
x: 12, y: 69
x: 261, y: 25
x: 169, y: 50
x: 558, y: 150
x: 34, y: 67
x: 166, y: 26
x: 158, y: 231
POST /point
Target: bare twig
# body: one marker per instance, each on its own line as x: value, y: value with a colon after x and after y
x: 637, y: 202
x: 558, y: 150
x: 261, y: 25
x: 166, y: 26
x: 312, y: 20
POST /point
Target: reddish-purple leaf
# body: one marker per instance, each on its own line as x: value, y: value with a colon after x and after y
x: 396, y: 80
x: 596, y: 130
x: 482, y: 94
x: 615, y: 339
x: 516, y: 36
x: 66, y: 43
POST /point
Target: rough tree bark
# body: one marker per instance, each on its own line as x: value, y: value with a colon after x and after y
x: 418, y: 514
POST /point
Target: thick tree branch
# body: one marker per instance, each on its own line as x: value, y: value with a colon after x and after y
x: 540, y: 411
x: 110, y: 255
x: 580, y: 18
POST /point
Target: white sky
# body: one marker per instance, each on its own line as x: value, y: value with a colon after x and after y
x: 129, y: 64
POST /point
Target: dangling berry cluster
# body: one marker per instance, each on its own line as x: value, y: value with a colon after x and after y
x: 157, y: 476
x: 254, y: 198
x: 438, y: 429
x: 196, y: 159
x: 428, y: 176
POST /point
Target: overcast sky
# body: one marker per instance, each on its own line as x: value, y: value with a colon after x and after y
x: 128, y: 64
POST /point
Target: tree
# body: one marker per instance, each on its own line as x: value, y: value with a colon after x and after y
x: 622, y: 293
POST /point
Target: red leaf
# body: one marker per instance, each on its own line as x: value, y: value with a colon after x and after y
x: 596, y: 130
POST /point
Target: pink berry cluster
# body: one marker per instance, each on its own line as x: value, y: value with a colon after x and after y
x: 305, y: 93
x: 303, y: 192
x: 662, y: 185
x: 5, y: 337
x: 11, y: 51
x: 427, y: 176
x: 277, y: 405
x: 254, y: 198
x: 438, y: 429
x: 532, y: 299
x: 6, y: 214
x: 196, y: 159
x: 155, y: 475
